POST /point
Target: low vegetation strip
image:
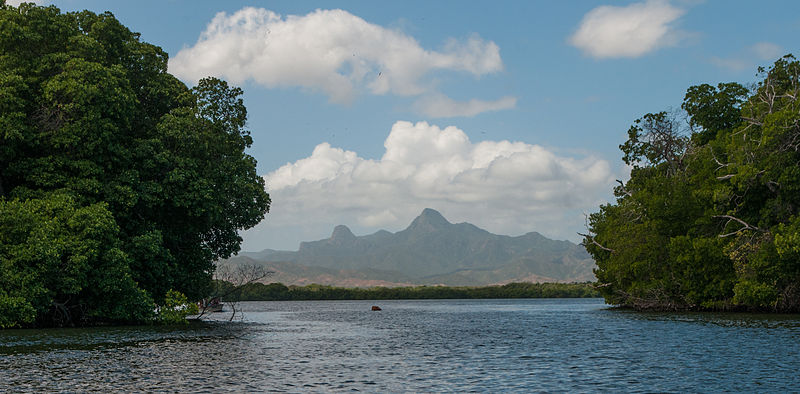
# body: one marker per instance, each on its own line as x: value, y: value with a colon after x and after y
x: 281, y: 292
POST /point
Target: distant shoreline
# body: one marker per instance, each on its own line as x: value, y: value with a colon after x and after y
x: 315, y: 292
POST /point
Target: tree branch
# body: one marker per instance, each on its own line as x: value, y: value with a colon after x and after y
x: 624, y: 190
x: 721, y: 165
x: 745, y: 225
x: 239, y: 276
x: 594, y: 242
x: 753, y: 121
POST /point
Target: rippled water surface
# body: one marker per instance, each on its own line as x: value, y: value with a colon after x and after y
x: 417, y: 346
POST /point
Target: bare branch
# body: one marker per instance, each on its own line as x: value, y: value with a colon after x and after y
x: 753, y: 121
x: 623, y: 189
x: 745, y: 225
x: 721, y: 165
x: 594, y: 242
x: 238, y: 276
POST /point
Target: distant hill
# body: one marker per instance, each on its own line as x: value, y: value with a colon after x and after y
x: 430, y: 251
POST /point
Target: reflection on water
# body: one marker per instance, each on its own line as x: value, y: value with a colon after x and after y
x: 475, y: 345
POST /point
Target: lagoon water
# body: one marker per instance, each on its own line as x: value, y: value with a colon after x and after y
x: 556, y: 345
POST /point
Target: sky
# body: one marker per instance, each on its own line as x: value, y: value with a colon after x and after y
x: 507, y: 115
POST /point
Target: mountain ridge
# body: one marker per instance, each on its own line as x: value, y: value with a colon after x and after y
x: 431, y: 250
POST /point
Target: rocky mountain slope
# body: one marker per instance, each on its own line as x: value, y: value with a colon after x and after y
x: 430, y: 251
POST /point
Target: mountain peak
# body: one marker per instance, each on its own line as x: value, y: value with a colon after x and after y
x: 432, y: 250
x: 342, y: 235
x: 429, y: 220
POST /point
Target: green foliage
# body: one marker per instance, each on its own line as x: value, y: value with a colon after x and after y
x: 117, y: 182
x: 53, y: 252
x: 654, y: 139
x: 713, y: 109
x: 710, y: 221
x: 15, y: 310
x: 175, y: 309
x: 755, y: 294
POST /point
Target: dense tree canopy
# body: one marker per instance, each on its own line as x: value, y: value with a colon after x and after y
x: 710, y: 216
x: 117, y: 182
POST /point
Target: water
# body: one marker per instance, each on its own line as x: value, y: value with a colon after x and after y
x: 562, y: 345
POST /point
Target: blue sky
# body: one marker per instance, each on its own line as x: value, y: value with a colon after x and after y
x: 504, y: 114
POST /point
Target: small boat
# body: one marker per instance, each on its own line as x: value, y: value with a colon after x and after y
x: 210, y: 305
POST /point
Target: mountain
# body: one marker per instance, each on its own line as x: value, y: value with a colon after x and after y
x: 431, y: 250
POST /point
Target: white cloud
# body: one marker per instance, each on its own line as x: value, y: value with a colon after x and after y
x: 766, y: 50
x: 748, y: 58
x: 441, y: 106
x: 330, y: 51
x: 16, y: 3
x: 631, y: 31
x: 505, y: 187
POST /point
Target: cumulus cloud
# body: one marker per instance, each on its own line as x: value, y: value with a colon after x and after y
x: 16, y: 3
x: 505, y: 187
x: 330, y: 51
x: 631, y: 31
x: 441, y: 106
x: 748, y: 58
